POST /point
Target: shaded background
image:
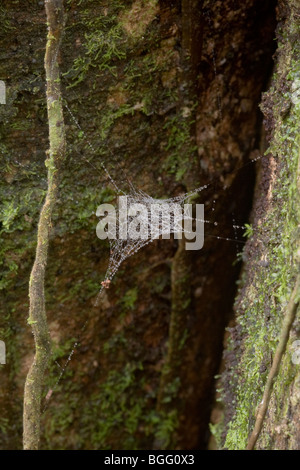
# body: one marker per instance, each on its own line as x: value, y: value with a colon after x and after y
x: 167, y: 92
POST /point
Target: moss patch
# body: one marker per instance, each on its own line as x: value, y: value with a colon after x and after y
x: 268, y: 281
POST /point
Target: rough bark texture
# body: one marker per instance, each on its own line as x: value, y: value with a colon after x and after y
x: 167, y: 396
x: 37, y: 314
x: 272, y: 267
x: 169, y: 90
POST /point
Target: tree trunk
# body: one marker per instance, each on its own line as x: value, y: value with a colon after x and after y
x: 167, y: 93
x: 262, y: 377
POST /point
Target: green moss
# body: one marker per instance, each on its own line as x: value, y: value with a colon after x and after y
x: 6, y: 20
x: 262, y: 307
x: 120, y: 409
x: 130, y: 298
x: 103, y: 42
x: 166, y: 427
x: 180, y: 146
x: 216, y: 431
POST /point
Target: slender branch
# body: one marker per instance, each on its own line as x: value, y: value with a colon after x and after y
x: 283, y: 339
x: 181, y: 294
x: 37, y: 313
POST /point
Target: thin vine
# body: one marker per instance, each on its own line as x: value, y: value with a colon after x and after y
x: 56, y: 155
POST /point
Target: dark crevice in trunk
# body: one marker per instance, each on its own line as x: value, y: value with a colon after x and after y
x: 237, y: 44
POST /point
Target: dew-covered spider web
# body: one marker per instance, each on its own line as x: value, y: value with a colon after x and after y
x: 123, y: 247
x: 125, y: 242
x: 167, y: 220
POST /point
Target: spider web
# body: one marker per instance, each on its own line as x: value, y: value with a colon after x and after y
x: 168, y: 221
x: 121, y: 249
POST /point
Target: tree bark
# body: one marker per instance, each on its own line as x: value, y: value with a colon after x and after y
x: 261, y: 381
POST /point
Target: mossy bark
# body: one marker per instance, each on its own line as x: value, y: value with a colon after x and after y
x: 37, y: 314
x: 261, y: 381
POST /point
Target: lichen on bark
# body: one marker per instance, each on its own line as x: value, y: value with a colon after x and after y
x: 37, y: 312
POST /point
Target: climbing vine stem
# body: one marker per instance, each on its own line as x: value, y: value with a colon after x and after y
x: 56, y: 154
x: 283, y: 339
